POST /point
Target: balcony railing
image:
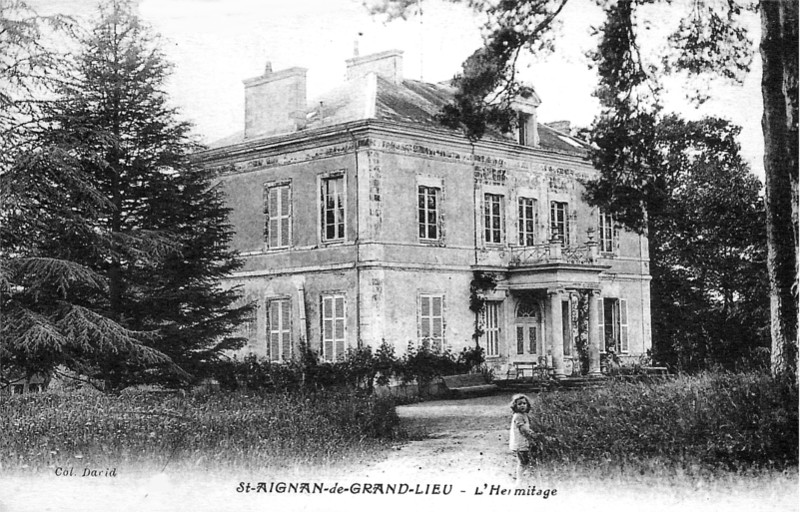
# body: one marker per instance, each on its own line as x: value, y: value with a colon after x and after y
x: 554, y: 252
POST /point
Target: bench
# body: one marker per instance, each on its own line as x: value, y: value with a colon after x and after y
x: 467, y: 384
x: 528, y: 370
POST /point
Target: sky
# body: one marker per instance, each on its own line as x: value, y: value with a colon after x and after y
x: 216, y: 44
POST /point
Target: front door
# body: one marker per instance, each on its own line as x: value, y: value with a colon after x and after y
x: 527, y: 329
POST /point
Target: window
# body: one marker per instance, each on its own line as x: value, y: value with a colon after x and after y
x: 249, y: 325
x: 526, y: 129
x: 431, y: 320
x: 279, y: 320
x: 607, y: 233
x: 333, y: 209
x: 559, y: 223
x: 333, y: 327
x: 613, y: 325
x: 527, y: 221
x: 493, y: 218
x: 491, y: 328
x: 428, y: 206
x: 279, y: 216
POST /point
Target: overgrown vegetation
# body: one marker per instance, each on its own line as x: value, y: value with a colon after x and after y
x: 716, y: 421
x: 203, y: 432
x: 361, y: 368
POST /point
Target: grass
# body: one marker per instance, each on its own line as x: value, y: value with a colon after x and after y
x: 731, y: 422
x: 709, y: 425
x: 206, y: 432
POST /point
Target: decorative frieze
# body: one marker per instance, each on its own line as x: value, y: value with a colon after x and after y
x: 488, y: 169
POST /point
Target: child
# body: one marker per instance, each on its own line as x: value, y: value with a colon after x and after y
x: 521, y: 436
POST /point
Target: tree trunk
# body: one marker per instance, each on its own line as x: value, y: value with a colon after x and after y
x: 779, y: 90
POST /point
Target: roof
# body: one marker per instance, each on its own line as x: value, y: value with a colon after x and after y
x: 410, y: 102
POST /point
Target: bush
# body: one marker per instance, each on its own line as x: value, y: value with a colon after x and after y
x: 361, y: 369
x: 715, y: 419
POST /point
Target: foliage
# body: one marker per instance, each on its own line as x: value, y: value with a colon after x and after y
x: 704, y: 223
x: 709, y: 299
x: 46, y: 291
x: 109, y: 187
x: 481, y: 283
x: 206, y: 432
x: 360, y: 369
x: 717, y: 420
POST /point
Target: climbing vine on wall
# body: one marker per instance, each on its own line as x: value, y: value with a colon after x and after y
x: 482, y: 282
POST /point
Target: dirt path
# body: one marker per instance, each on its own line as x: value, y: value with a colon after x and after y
x: 467, y: 437
x: 465, y: 443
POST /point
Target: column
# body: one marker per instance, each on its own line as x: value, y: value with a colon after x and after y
x: 594, y: 334
x: 556, y: 333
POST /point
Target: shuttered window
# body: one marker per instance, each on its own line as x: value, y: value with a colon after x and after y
x: 333, y: 326
x: 280, y: 329
x: 613, y: 325
x: 491, y: 328
x: 279, y: 216
x: 431, y: 320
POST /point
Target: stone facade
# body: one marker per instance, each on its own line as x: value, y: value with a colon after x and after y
x: 363, y: 221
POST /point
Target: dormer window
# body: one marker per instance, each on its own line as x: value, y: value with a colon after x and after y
x: 526, y: 129
x: 525, y: 106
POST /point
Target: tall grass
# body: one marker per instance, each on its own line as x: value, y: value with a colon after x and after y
x: 723, y: 421
x: 147, y: 431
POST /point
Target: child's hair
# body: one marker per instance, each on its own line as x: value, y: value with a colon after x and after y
x: 517, y: 397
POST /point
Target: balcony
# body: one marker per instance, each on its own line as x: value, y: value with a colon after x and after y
x: 553, y: 252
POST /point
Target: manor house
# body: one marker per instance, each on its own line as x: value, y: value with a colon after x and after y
x: 362, y: 220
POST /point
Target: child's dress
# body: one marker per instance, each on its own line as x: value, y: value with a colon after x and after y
x: 520, y: 426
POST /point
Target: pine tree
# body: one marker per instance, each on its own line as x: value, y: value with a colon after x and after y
x: 146, y: 221
x: 46, y: 320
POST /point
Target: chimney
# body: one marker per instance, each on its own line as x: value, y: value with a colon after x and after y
x: 388, y: 64
x: 274, y: 102
x: 525, y: 105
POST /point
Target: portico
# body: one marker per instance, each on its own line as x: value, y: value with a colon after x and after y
x: 558, y: 286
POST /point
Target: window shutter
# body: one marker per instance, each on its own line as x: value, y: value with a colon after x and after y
x: 569, y: 225
x: 601, y: 330
x: 339, y: 332
x: 533, y: 340
x: 424, y: 317
x: 286, y: 332
x: 436, y: 313
x: 272, y: 217
x: 520, y: 339
x: 274, y: 331
x: 286, y: 212
x: 327, y: 328
x: 623, y: 325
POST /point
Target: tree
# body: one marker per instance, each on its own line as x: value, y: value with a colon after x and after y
x: 779, y: 45
x: 705, y: 222
x: 152, y: 225
x: 46, y: 321
x: 710, y: 38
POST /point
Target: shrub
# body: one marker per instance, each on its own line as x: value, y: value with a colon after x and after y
x: 361, y: 368
x: 728, y: 420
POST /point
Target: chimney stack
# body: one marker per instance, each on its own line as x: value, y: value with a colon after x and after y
x: 388, y: 64
x: 274, y: 102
